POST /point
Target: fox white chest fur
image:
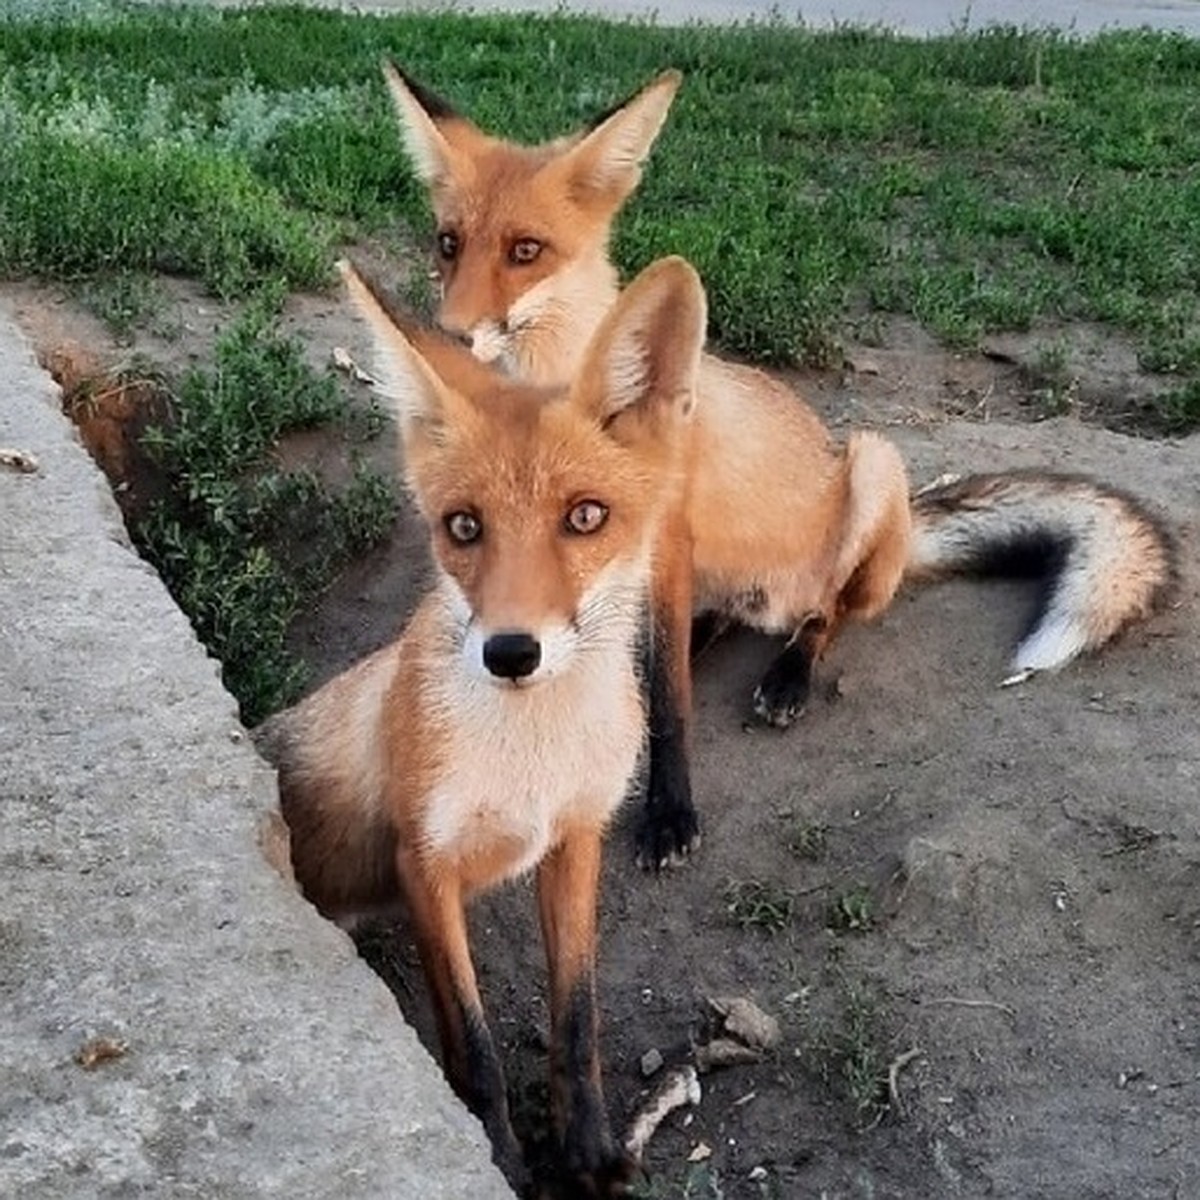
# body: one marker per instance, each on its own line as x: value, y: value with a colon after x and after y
x: 520, y: 764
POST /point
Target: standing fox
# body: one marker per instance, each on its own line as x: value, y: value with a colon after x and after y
x: 501, y: 731
x: 790, y: 533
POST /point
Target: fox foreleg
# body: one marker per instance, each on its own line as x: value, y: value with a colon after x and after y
x: 567, y: 883
x: 471, y: 1062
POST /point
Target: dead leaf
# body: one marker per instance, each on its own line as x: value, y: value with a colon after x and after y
x: 725, y: 1052
x: 18, y: 460
x: 745, y: 1021
x: 97, y: 1051
x: 343, y: 362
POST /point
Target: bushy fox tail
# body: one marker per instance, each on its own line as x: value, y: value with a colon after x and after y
x: 1103, y: 560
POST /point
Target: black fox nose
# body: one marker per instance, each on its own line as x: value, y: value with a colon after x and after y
x: 511, y: 655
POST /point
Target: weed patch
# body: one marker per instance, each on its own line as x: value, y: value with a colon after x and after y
x: 240, y: 544
x: 853, y: 911
x: 848, y: 1045
x: 698, y: 1181
x: 809, y: 840
x: 754, y: 904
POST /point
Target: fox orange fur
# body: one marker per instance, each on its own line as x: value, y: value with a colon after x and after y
x: 791, y: 532
x: 501, y: 731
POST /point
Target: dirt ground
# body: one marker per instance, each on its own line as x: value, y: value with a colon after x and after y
x: 974, y: 911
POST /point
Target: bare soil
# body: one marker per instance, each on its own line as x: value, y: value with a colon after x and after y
x: 986, y: 965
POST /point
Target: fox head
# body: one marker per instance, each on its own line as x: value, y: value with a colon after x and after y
x: 543, y: 503
x: 522, y: 231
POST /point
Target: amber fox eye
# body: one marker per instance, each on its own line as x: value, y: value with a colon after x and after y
x: 587, y: 516
x: 524, y: 251
x: 464, y: 527
x: 447, y: 245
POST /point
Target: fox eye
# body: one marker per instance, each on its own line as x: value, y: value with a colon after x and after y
x: 464, y: 527
x: 587, y: 516
x: 447, y: 244
x: 524, y: 251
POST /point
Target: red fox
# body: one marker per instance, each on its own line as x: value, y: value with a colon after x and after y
x: 501, y: 731
x: 791, y: 533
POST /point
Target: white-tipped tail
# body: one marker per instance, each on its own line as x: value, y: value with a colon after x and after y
x: 1101, y: 558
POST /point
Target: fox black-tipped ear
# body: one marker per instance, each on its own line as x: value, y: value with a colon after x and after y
x: 437, y: 108
x: 416, y: 394
x: 645, y: 356
x: 606, y: 162
x: 426, y: 124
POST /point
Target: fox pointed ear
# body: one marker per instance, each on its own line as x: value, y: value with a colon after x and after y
x: 645, y: 357
x: 428, y: 125
x: 606, y: 162
x: 418, y: 398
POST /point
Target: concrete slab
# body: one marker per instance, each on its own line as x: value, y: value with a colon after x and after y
x: 241, y: 1048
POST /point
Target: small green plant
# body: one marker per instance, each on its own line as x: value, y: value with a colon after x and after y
x: 1179, y: 408
x: 699, y: 1182
x: 860, y: 1053
x: 852, y: 911
x: 754, y: 904
x: 123, y: 301
x: 848, y: 1047
x: 1056, y: 388
x: 808, y: 840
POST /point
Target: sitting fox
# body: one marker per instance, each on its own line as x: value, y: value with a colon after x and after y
x: 789, y: 532
x: 499, y: 734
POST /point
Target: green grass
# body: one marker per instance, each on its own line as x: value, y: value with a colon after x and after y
x: 123, y: 300
x: 697, y: 1181
x: 852, y: 911
x: 809, y: 840
x: 858, y: 1052
x: 848, y: 1048
x: 976, y: 182
x: 241, y: 544
x: 757, y: 904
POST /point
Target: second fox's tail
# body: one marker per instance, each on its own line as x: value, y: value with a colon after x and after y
x: 1102, y: 558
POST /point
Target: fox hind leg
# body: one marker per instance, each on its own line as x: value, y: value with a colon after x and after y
x: 868, y: 567
x: 669, y: 828
x: 782, y: 695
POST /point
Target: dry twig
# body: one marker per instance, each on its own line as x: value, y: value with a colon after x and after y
x: 680, y: 1088
x: 1004, y: 1008
x: 894, y: 1068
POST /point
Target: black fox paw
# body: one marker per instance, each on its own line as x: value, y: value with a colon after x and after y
x: 605, y: 1181
x: 781, y: 697
x: 666, y: 836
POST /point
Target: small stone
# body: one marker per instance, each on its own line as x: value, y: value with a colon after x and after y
x: 652, y: 1062
x: 863, y: 364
